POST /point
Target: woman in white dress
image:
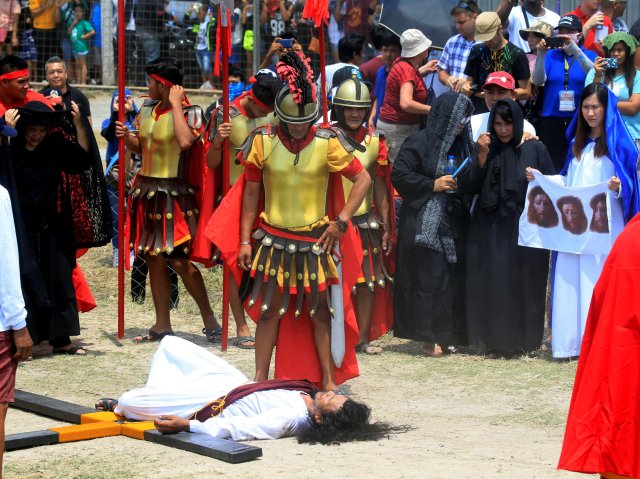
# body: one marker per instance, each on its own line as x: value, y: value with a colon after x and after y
x: 601, y: 151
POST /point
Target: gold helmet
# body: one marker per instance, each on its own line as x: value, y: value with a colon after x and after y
x: 352, y: 93
x: 291, y: 112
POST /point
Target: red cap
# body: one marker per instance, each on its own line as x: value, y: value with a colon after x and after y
x: 501, y: 79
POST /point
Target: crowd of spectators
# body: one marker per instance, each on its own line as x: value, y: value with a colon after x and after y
x: 516, y: 81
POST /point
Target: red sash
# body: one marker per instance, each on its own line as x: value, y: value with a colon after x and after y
x: 215, y: 408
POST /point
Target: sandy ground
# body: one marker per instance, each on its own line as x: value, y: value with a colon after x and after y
x: 470, y: 417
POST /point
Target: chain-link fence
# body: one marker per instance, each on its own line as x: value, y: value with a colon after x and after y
x: 84, y: 34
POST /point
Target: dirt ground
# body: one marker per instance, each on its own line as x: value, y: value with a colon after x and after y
x: 470, y: 417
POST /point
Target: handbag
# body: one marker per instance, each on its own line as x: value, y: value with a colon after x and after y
x: 431, y: 97
x: 314, y: 45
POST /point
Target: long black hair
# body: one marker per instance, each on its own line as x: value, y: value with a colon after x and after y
x: 349, y: 423
x: 583, y: 129
x: 629, y: 67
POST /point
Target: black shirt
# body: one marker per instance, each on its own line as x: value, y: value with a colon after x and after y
x: 24, y: 20
x: 483, y: 61
x: 72, y: 94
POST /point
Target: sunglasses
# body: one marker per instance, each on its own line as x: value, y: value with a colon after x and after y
x: 466, y: 6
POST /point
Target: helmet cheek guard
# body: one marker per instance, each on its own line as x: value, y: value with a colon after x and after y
x: 351, y: 93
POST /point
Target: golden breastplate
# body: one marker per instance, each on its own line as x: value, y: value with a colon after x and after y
x: 160, y: 149
x: 241, y: 127
x: 295, y: 195
x: 368, y: 160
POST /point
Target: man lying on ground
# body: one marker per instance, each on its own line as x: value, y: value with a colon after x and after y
x: 184, y: 380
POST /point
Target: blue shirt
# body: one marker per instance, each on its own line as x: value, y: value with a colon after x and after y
x: 378, y: 92
x: 554, y: 65
x: 454, y: 56
x: 621, y: 90
x: 96, y: 23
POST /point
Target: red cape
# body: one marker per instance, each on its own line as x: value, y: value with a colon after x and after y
x: 296, y: 355
x: 84, y: 297
x: 603, y: 427
x: 382, y: 319
x: 202, y: 249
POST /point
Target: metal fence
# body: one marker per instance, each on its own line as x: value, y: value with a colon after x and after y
x: 178, y: 39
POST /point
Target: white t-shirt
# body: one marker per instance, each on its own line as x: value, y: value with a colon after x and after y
x: 329, y: 71
x: 236, y: 36
x: 12, y: 312
x: 201, y: 39
x: 479, y: 125
x: 517, y: 23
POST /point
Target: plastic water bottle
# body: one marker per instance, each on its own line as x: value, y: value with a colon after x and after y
x: 450, y: 169
x: 599, y: 34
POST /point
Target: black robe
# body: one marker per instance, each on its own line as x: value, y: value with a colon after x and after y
x: 505, y: 283
x: 44, y: 193
x: 429, y: 290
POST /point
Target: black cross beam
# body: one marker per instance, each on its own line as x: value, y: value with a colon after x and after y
x: 89, y: 424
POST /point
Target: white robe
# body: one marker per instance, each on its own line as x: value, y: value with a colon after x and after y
x: 185, y: 377
x: 575, y: 275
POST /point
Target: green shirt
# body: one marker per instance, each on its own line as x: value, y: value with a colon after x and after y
x: 78, y: 45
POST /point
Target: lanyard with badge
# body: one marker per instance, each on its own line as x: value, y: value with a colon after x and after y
x: 567, y: 97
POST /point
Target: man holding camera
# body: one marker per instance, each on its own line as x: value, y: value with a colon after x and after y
x: 493, y: 53
x: 562, y: 70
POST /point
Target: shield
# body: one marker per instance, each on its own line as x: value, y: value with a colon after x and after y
x: 431, y: 17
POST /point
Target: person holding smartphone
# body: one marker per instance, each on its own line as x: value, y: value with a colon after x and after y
x: 562, y: 70
x: 280, y: 46
x: 618, y: 71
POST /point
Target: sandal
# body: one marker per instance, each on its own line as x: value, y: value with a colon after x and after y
x: 106, y: 404
x: 73, y: 351
x: 368, y: 348
x: 241, y: 342
x: 432, y: 350
x: 214, y: 335
x: 152, y: 336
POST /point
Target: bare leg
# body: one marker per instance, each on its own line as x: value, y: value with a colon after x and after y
x: 160, y: 286
x: 192, y: 279
x: 266, y: 337
x: 82, y: 70
x: 364, y: 303
x: 242, y: 329
x: 322, y: 336
x: 3, y: 414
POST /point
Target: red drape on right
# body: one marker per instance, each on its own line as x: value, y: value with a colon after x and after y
x: 603, y: 427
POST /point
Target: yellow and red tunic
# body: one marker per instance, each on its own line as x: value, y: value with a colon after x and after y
x: 241, y: 127
x: 162, y: 206
x: 295, y: 176
x: 375, y: 161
